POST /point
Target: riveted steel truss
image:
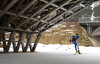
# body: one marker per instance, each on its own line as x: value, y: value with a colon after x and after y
x: 32, y: 17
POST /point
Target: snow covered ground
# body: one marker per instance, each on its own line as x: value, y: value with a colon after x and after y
x: 53, y: 54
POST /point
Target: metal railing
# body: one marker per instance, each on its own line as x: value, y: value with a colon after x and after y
x: 89, y: 19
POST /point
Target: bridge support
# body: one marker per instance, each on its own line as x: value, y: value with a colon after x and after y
x: 89, y: 29
x: 93, y: 31
x: 36, y: 42
x: 19, y: 40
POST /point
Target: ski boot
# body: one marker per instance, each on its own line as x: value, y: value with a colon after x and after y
x: 78, y: 52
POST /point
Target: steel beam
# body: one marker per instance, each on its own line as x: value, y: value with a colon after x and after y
x: 53, y: 4
x: 36, y: 42
x: 28, y: 42
x: 17, y: 26
x: 28, y: 26
x: 1, y: 32
x: 63, y: 19
x: 15, y: 11
x: 56, y: 17
x: 20, y: 12
x: 96, y: 30
x: 38, y: 11
x: 30, y: 9
x: 27, y: 12
x: 22, y: 16
x: 10, y: 40
x: 73, y: 14
x: 20, y: 41
x: 30, y: 45
x: 3, y: 4
x: 41, y: 9
x: 14, y: 44
x: 19, y: 30
x: 61, y: 6
x: 8, y: 7
x: 20, y: 2
x: 39, y: 26
x: 4, y: 43
x: 48, y: 2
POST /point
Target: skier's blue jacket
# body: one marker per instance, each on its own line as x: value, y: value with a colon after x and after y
x: 74, y: 38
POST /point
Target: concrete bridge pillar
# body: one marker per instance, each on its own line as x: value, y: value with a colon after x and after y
x: 89, y: 29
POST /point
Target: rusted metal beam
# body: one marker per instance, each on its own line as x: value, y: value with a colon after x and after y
x: 36, y: 42
x: 20, y: 12
x: 8, y: 7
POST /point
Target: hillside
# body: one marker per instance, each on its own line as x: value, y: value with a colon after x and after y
x: 61, y: 33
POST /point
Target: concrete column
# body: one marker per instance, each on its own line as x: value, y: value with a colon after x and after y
x: 89, y: 29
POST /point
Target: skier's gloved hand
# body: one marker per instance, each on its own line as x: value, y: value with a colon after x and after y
x: 70, y: 40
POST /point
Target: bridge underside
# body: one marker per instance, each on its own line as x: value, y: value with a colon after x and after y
x: 28, y: 18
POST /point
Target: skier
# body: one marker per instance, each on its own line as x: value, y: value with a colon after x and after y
x: 73, y: 39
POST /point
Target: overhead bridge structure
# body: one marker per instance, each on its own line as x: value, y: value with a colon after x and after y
x: 92, y: 28
x: 27, y: 18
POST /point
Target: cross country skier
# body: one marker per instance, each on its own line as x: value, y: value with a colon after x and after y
x: 73, y: 39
